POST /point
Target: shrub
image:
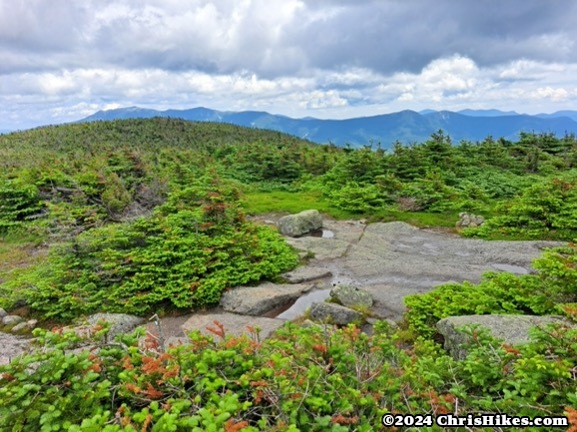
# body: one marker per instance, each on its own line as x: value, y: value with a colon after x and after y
x: 17, y: 202
x: 357, y: 198
x: 183, y: 256
x: 303, y: 379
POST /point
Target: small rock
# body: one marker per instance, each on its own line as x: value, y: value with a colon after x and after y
x: 3, y: 313
x: 31, y: 324
x: 20, y: 327
x: 478, y: 220
x: 469, y: 220
x: 301, y: 223
x: 351, y: 297
x: 10, y: 320
x: 334, y: 314
x: 120, y: 323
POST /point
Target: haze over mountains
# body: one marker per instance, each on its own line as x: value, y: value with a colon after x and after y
x: 404, y: 126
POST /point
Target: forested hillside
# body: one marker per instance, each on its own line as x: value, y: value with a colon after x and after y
x: 153, y: 215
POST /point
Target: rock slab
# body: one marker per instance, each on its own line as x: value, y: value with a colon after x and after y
x: 259, y: 300
x: 306, y: 274
x: 301, y: 223
x: 233, y: 324
x: 512, y: 329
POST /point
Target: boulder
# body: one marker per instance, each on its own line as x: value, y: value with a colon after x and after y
x: 512, y: 329
x: 334, y: 314
x: 11, y: 320
x: 351, y: 297
x: 232, y: 324
x: 3, y: 313
x: 120, y: 323
x: 259, y: 300
x: 301, y: 223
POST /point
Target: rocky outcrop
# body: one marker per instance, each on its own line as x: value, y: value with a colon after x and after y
x: 301, y: 223
x: 393, y: 260
x: 331, y: 313
x: 469, y: 220
x: 259, y: 300
x: 351, y: 297
x: 512, y: 329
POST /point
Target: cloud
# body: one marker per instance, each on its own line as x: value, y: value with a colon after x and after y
x: 332, y: 58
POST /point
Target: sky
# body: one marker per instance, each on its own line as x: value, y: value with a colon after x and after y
x: 62, y: 60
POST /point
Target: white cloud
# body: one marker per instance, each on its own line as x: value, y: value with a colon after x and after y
x: 296, y: 57
x: 554, y: 94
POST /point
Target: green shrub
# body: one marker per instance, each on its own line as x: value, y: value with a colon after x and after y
x: 17, y: 202
x: 355, y: 198
x: 183, y: 256
x: 547, y: 209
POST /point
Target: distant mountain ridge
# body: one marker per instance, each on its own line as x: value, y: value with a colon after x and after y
x: 404, y: 126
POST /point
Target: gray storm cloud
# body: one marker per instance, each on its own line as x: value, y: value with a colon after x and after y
x: 278, y: 37
x: 298, y: 57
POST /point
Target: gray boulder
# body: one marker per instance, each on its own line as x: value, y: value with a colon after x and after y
x: 334, y: 314
x: 301, y: 223
x: 512, y: 329
x: 11, y: 320
x: 261, y: 299
x: 351, y: 297
x: 3, y: 313
x: 120, y: 323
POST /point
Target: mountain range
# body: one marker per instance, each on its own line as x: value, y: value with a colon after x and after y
x: 405, y: 126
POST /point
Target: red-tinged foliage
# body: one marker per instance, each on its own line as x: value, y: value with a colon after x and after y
x: 152, y: 393
x: 343, y: 420
x: 217, y: 329
x: 233, y: 425
x: 146, y: 423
